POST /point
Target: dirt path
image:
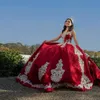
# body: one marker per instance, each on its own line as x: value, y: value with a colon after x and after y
x: 10, y: 90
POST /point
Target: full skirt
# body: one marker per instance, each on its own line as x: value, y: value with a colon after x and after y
x: 54, y: 65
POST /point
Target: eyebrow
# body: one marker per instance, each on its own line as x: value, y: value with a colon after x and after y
x: 68, y: 20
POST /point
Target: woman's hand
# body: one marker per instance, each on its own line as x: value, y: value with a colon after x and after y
x: 54, y: 39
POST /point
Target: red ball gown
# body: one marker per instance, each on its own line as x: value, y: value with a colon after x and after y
x: 59, y: 64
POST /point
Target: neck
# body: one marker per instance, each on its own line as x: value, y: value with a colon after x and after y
x: 67, y: 28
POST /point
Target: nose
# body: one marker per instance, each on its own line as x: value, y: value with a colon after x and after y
x: 67, y: 23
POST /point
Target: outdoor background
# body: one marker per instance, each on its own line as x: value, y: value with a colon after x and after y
x: 25, y: 24
x: 31, y: 22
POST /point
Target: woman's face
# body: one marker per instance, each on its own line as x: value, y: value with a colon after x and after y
x: 68, y: 23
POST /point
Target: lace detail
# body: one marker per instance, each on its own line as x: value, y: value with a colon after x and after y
x: 23, y: 78
x: 85, y: 82
x: 48, y: 86
x: 65, y: 33
x: 29, y: 65
x: 42, y: 70
x: 57, y: 72
x: 66, y: 36
x: 77, y: 51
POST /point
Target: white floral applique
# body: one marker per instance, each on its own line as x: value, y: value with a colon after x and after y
x: 23, y: 78
x: 64, y: 44
x: 56, y: 74
x: 65, y: 33
x: 77, y: 51
x: 85, y: 82
x: 48, y: 86
x: 42, y: 70
x: 29, y: 65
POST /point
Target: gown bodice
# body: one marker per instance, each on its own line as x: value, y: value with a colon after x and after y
x: 66, y: 36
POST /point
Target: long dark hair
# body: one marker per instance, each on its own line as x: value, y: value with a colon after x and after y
x: 70, y: 27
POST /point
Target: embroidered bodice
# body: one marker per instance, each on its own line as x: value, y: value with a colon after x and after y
x: 66, y: 36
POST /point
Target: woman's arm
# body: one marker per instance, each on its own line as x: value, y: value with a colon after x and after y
x: 54, y: 39
x: 74, y: 37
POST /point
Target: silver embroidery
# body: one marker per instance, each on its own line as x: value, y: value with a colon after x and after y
x: 77, y: 51
x: 48, y: 86
x: 29, y: 65
x: 23, y: 78
x: 85, y: 82
x: 56, y: 74
x: 42, y: 70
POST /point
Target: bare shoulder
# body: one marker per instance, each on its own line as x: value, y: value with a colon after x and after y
x: 73, y: 32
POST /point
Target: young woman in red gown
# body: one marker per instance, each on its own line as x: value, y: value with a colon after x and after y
x: 56, y: 64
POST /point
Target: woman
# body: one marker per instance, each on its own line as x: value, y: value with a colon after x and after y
x: 56, y: 64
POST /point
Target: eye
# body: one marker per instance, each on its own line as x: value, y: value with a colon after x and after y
x: 68, y: 21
